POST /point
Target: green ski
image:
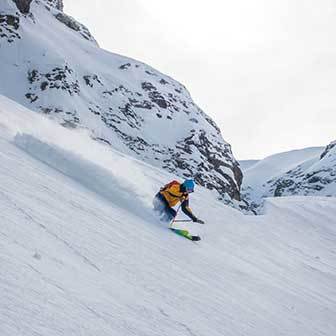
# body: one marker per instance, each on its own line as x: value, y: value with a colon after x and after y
x: 186, y: 234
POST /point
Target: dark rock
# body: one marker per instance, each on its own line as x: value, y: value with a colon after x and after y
x: 32, y: 97
x: 58, y: 4
x: 9, y: 24
x: 58, y: 78
x: 214, y: 160
x: 33, y: 76
x: 10, y: 20
x: 148, y: 86
x: 23, y: 5
x: 68, y: 21
x: 125, y: 66
x: 44, y: 85
x: 91, y: 79
x: 143, y: 105
x: 163, y: 81
x: 74, y: 25
x: 327, y: 149
x: 150, y: 73
x: 281, y: 186
x: 314, y: 179
x: 158, y: 99
x: 133, y: 119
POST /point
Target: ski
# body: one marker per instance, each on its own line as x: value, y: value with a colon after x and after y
x: 186, y: 234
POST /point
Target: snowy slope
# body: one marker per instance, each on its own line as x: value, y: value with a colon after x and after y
x: 312, y: 177
x: 82, y: 254
x: 246, y: 164
x: 50, y: 63
x: 256, y: 177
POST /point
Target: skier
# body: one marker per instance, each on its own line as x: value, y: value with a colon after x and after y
x: 170, y: 195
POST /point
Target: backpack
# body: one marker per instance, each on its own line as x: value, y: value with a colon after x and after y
x: 167, y: 186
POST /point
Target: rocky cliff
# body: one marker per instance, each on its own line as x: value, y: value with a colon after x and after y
x: 24, y: 5
x: 53, y: 65
x: 313, y: 177
x: 304, y: 172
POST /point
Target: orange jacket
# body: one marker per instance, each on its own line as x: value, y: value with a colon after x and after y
x: 173, y: 195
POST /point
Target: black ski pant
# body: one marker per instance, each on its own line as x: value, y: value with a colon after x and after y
x: 161, y: 206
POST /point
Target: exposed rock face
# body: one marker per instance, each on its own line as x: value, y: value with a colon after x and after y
x: 303, y: 172
x: 58, y: 4
x: 10, y: 21
x: 328, y: 149
x: 23, y: 5
x: 122, y: 102
x: 309, y: 178
x: 9, y: 25
x: 74, y: 25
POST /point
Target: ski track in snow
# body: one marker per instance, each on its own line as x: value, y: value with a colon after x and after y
x: 79, y: 257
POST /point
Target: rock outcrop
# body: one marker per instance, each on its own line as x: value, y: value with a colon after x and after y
x: 23, y: 5
x: 328, y: 149
x: 122, y: 102
x: 305, y: 172
x: 310, y: 178
x: 58, y: 4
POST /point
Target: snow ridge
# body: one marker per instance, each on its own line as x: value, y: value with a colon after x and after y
x: 313, y: 177
x: 306, y: 172
x: 122, y: 102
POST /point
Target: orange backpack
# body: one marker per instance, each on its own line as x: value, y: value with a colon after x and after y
x: 167, y: 186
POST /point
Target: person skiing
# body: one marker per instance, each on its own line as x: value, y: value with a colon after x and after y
x: 170, y: 195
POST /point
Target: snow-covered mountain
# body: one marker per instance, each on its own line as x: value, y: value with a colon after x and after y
x: 306, y: 172
x: 83, y: 254
x: 313, y: 177
x: 52, y: 64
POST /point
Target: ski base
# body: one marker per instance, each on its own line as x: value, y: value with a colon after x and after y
x: 186, y: 234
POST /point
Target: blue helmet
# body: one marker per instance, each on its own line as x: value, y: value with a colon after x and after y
x: 188, y: 185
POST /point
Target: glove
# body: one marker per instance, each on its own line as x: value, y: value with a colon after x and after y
x: 199, y: 221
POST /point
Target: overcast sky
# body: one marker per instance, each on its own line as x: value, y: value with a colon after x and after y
x: 264, y: 70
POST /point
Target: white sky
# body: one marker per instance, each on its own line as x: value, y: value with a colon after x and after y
x: 264, y: 70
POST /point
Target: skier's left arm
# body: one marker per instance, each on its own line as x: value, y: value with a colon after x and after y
x: 188, y: 212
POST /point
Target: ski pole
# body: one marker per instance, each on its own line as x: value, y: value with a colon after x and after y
x: 173, y: 220
x: 182, y: 220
